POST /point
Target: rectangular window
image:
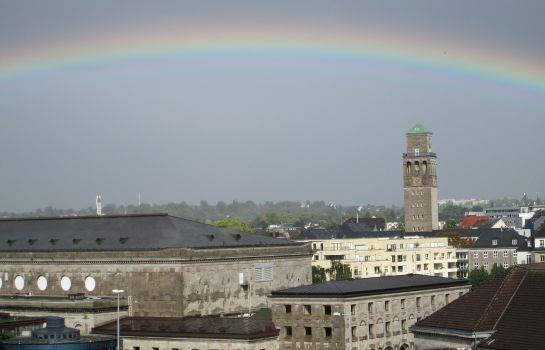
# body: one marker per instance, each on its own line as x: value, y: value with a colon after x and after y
x: 328, y: 332
x: 505, y: 264
x: 505, y: 253
x: 447, y: 298
x: 393, y: 258
x: 154, y: 348
x: 135, y: 348
x: 541, y: 243
x: 400, y: 269
x: 476, y: 265
x: 514, y: 253
x: 402, y: 303
x: 403, y: 325
x: 307, y: 309
x: 542, y: 258
x: 514, y: 242
x: 327, y: 309
x: 371, y: 330
x: 485, y: 255
x: 263, y: 272
x: 388, y: 329
x: 495, y: 253
x: 370, y: 308
x: 485, y: 265
x: 353, y: 309
x: 387, y: 305
x: 494, y: 242
x: 427, y: 256
x: 418, y: 301
x: 287, y: 308
x: 417, y: 257
x: 476, y: 255
x: 377, y: 270
x: 288, y: 331
x: 308, y: 331
x: 432, y: 299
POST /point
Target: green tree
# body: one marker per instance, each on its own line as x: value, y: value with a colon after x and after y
x: 497, y: 269
x: 339, y: 271
x: 234, y: 223
x: 400, y: 226
x: 272, y: 218
x: 318, y: 275
x: 451, y: 224
x: 478, y: 276
x: 332, y: 224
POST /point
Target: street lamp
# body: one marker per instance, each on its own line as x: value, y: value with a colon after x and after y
x: 118, y: 292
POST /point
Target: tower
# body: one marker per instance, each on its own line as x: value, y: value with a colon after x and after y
x: 420, y: 182
x: 99, y: 205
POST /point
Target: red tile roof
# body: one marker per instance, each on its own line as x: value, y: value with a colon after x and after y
x: 473, y: 221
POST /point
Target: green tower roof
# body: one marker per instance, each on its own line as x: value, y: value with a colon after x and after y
x: 418, y: 129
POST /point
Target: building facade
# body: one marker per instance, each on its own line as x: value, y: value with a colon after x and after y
x: 167, y: 266
x: 374, y: 313
x: 499, y: 247
x: 420, y: 182
x: 384, y: 253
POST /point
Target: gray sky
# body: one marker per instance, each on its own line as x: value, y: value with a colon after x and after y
x: 260, y: 129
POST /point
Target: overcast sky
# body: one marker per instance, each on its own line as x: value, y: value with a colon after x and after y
x: 260, y: 129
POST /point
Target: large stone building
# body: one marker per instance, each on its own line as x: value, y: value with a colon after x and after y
x: 382, y: 253
x: 373, y: 313
x: 506, y: 313
x: 420, y: 182
x: 166, y: 265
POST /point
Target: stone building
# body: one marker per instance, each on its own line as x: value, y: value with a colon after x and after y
x: 420, y: 182
x: 505, y: 313
x: 192, y: 332
x: 373, y: 313
x: 166, y: 265
x: 497, y: 246
x: 382, y: 253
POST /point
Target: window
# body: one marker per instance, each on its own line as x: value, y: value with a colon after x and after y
x: 371, y: 330
x: 447, y: 298
x: 476, y: 255
x: 308, y: 331
x: 377, y: 270
x: 403, y: 325
x: 514, y: 242
x: 288, y: 331
x: 485, y: 265
x: 514, y: 253
x: 495, y: 253
x: 135, y: 348
x: 263, y: 272
x: 494, y: 242
x: 427, y: 256
x: 307, y: 309
x: 505, y: 264
x: 327, y: 309
x: 400, y: 269
x: 476, y: 265
x: 505, y: 253
x: 287, y: 308
x: 353, y: 331
x: 485, y: 255
x: 432, y: 300
x: 402, y: 303
x: 418, y: 301
x: 387, y: 305
x: 370, y: 308
x: 393, y: 258
x: 417, y: 257
x: 328, y: 331
x: 388, y: 329
x: 154, y: 348
x: 542, y: 258
x: 542, y: 243
x: 353, y: 309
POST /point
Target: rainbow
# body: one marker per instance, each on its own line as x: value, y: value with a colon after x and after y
x: 350, y: 44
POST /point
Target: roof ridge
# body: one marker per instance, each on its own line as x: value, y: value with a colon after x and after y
x: 511, y: 299
x: 488, y: 308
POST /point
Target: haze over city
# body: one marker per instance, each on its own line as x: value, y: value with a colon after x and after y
x: 266, y: 101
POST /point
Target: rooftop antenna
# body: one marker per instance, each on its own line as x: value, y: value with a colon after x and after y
x: 139, y: 199
x: 99, y: 205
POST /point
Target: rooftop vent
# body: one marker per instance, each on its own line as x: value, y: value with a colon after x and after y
x: 100, y: 240
x: 11, y: 241
x: 32, y: 241
x: 237, y: 236
x: 123, y: 240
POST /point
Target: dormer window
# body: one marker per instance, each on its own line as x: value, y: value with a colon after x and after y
x: 53, y: 241
x: 123, y: 240
x: 494, y: 242
x: 11, y: 241
x: 514, y: 242
x: 99, y: 241
x: 32, y: 241
x: 76, y: 240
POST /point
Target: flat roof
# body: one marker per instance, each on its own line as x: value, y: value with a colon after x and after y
x: 370, y: 286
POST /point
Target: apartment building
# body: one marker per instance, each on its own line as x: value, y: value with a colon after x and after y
x: 373, y: 313
x: 499, y: 247
x: 382, y: 253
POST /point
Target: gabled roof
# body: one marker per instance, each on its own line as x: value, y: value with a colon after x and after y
x: 511, y: 304
x: 370, y: 286
x: 120, y: 232
x: 503, y: 238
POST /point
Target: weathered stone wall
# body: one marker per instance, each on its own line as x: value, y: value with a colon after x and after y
x: 172, y: 282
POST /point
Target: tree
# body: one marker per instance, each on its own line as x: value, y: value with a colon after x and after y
x: 456, y: 240
x: 318, y: 275
x: 478, y: 276
x: 234, y: 223
x: 497, y: 269
x: 272, y: 218
x: 339, y: 271
x: 400, y: 226
x: 451, y: 224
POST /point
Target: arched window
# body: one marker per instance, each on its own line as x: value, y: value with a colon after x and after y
x: 425, y: 168
x: 417, y: 167
x: 408, y: 169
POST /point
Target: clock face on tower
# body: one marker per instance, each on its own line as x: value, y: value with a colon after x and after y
x: 417, y: 181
